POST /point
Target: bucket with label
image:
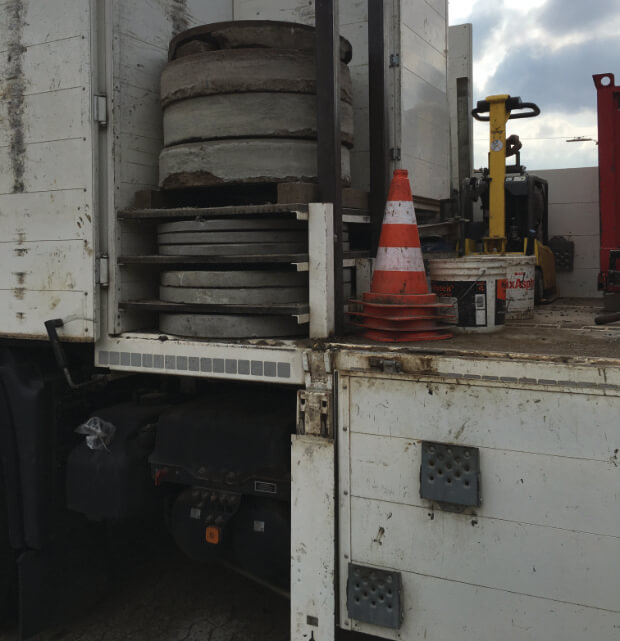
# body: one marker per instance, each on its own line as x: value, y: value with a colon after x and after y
x: 520, y: 286
x: 475, y: 287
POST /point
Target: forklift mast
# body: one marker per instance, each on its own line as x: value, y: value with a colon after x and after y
x: 500, y: 109
x: 608, y: 98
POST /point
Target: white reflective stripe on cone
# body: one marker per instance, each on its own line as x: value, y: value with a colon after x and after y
x: 399, y: 259
x: 399, y: 212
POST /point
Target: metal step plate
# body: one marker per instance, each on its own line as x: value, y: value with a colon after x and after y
x: 375, y: 596
x: 450, y: 474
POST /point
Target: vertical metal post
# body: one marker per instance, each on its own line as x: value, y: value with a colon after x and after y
x: 464, y: 129
x: 321, y: 269
x: 498, y: 117
x: 377, y: 102
x: 328, y: 127
x: 608, y: 108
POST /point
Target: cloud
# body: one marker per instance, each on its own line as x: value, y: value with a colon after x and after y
x: 560, y: 80
x: 545, y: 51
x: 560, y: 16
x: 488, y: 27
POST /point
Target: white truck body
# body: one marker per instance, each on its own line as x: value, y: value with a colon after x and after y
x: 539, y: 558
x: 80, y: 132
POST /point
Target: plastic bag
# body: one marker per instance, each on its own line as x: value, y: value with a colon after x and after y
x: 99, y: 433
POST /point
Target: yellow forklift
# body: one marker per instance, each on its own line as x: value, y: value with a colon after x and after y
x: 514, y: 203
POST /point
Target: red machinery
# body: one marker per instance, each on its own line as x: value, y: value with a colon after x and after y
x: 609, y: 185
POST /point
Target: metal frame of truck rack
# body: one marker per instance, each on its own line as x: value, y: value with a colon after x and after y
x: 608, y: 99
x: 328, y: 130
x: 328, y: 116
x: 378, y: 118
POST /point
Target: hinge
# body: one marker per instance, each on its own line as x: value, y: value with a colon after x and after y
x: 314, y: 413
x: 100, y: 110
x: 102, y: 271
x: 388, y: 366
x: 394, y: 60
x: 395, y: 153
x: 317, y: 369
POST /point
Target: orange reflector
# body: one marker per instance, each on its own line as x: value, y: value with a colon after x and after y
x: 212, y: 535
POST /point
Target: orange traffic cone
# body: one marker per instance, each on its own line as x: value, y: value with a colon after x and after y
x: 398, y: 307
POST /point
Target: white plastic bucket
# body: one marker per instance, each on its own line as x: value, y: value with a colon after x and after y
x: 475, y: 286
x: 520, y: 286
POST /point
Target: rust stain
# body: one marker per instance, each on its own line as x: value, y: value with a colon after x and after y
x: 21, y: 251
x: 15, y: 90
x: 428, y: 364
x: 460, y: 431
x: 20, y: 276
x: 54, y: 302
x: 20, y: 316
x: 19, y: 293
x: 379, y: 537
x: 178, y: 15
x: 184, y: 179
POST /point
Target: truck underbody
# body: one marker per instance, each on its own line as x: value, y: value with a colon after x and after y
x: 536, y: 403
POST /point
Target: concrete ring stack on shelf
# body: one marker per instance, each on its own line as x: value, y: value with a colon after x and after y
x: 239, y: 117
x: 239, y: 103
x: 263, y: 286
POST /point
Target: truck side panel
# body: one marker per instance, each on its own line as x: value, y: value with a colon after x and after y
x: 140, y: 32
x: 46, y: 168
x: 533, y: 561
x: 143, y: 29
x: 424, y: 104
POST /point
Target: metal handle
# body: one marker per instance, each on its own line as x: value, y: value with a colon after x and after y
x: 484, y: 107
x: 533, y: 107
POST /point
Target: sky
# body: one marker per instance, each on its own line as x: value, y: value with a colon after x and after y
x: 544, y: 51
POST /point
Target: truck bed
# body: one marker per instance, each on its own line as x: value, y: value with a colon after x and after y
x: 563, y: 332
x: 564, y: 328
x: 539, y: 403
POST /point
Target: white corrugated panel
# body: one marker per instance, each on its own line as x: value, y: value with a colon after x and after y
x: 46, y: 168
x: 425, y: 122
x: 534, y: 560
